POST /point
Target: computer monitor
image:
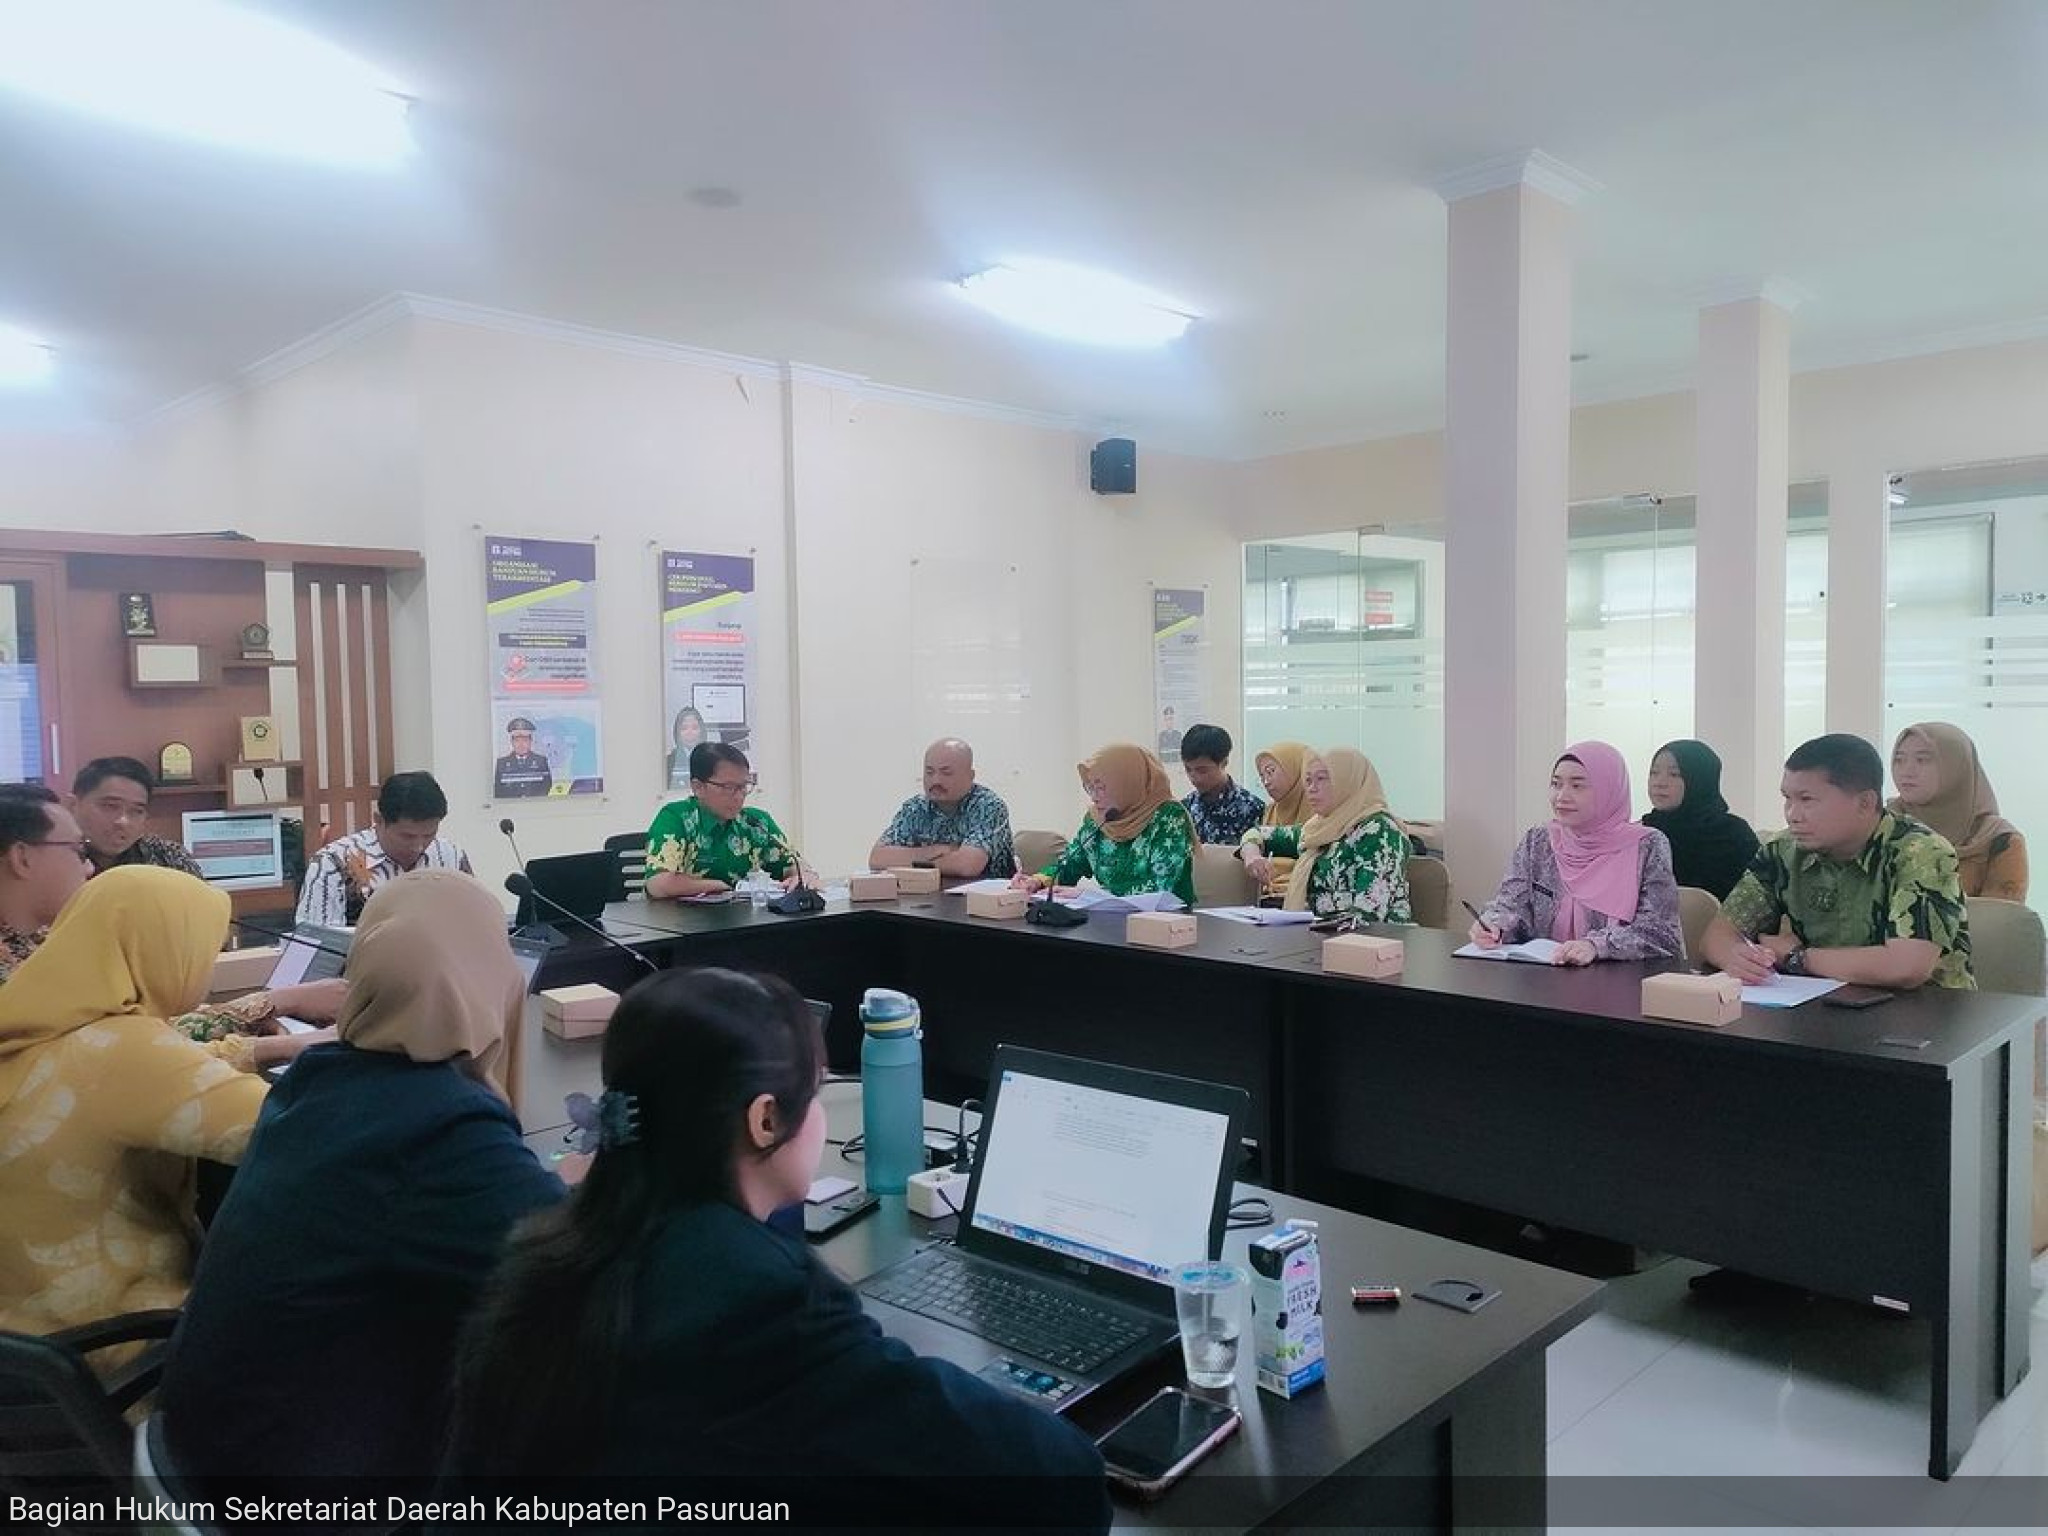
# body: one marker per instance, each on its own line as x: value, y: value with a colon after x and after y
x: 237, y: 850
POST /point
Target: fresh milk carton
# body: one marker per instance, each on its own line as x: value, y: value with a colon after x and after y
x: 1287, y: 1309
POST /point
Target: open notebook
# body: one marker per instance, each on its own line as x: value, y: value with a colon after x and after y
x: 1534, y: 951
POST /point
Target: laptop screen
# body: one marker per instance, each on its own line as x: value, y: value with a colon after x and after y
x: 1120, y: 1181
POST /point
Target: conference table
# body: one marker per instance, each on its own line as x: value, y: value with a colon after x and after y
x: 1880, y: 1156
x: 1428, y: 1420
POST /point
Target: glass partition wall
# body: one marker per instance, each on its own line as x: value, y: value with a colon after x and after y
x: 1966, y: 622
x: 1343, y: 646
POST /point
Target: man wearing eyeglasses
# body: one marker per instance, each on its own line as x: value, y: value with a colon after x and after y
x: 710, y: 842
x: 42, y: 864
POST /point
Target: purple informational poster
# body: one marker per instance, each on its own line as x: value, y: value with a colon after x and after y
x: 540, y: 608
x: 1180, y: 655
x: 708, y: 618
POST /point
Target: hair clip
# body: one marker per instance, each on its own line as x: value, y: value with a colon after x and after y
x: 603, y: 1124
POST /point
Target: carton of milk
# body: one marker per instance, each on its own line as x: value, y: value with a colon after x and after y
x: 1287, y: 1310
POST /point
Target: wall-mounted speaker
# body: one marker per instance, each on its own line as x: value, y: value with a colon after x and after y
x: 1113, y: 467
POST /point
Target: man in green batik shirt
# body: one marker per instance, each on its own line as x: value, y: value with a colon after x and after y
x: 1873, y: 896
x: 713, y: 840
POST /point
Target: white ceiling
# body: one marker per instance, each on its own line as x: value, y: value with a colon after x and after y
x: 1267, y: 161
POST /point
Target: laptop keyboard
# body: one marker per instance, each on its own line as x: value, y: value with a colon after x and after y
x: 1052, y: 1325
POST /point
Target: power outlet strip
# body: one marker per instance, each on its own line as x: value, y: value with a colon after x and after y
x: 928, y: 1193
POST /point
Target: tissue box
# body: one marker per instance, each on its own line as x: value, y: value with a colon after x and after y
x: 872, y: 887
x: 1360, y: 954
x: 999, y: 904
x: 577, y: 1013
x: 915, y: 882
x: 1692, y: 999
x: 243, y: 970
x: 1160, y: 930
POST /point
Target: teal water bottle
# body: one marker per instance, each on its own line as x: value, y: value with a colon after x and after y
x: 891, y: 1089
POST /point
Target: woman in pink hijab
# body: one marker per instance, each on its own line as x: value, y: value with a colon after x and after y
x: 1593, y: 879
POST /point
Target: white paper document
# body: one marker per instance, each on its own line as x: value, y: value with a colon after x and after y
x: 977, y: 888
x: 1533, y: 951
x: 1788, y: 991
x: 1264, y: 917
x: 1139, y: 901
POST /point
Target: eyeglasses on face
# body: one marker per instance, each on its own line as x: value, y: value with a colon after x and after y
x: 728, y: 786
x: 76, y: 844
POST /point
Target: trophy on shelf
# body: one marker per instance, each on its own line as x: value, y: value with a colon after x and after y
x: 174, y: 764
x: 256, y: 643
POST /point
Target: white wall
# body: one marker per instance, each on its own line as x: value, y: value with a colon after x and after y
x: 417, y: 435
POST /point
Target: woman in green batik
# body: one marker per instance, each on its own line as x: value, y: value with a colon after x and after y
x: 1136, y: 836
x: 713, y: 840
x: 1351, y: 855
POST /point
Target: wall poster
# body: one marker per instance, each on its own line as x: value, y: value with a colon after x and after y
x: 708, y: 619
x: 1180, y: 664
x: 540, y: 608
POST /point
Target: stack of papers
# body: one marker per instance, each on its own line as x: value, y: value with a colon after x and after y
x: 1264, y: 917
x: 1534, y: 951
x: 1788, y: 991
x: 1140, y: 901
x: 977, y: 887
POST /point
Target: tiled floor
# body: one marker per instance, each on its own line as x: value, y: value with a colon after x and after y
x: 1787, y: 1411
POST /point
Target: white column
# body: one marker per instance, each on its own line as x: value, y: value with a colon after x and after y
x: 1859, y: 534
x: 1507, y: 442
x: 1744, y: 410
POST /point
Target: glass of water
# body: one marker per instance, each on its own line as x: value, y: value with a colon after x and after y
x: 1210, y: 1297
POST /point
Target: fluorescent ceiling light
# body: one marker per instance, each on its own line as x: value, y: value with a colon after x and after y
x: 23, y: 359
x: 201, y: 69
x: 1056, y: 298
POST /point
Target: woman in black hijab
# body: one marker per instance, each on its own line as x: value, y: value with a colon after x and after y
x: 1710, y: 845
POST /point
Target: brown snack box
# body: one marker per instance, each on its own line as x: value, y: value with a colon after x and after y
x: 880, y: 887
x: 1692, y: 999
x: 1160, y: 930
x: 911, y: 881
x: 1361, y: 954
x: 997, y: 904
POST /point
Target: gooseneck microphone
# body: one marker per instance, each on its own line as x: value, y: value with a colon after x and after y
x: 1047, y: 913
x: 522, y: 886
x: 505, y: 826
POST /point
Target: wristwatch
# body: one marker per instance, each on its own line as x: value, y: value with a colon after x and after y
x: 1794, y: 963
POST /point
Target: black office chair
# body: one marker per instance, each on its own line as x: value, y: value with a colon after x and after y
x: 630, y: 849
x: 62, y: 1434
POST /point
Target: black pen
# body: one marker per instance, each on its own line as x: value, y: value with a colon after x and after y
x: 1475, y: 913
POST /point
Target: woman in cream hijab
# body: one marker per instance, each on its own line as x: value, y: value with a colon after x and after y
x: 1351, y: 856
x: 1942, y: 785
x: 1136, y: 836
x: 386, y: 1174
x: 1280, y: 769
x: 104, y: 1108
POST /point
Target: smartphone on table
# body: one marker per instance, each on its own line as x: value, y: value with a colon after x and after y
x: 1149, y: 1451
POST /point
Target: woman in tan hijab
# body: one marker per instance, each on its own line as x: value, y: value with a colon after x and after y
x: 1136, y: 836
x: 1941, y: 784
x: 385, y: 1175
x: 1280, y: 767
x: 1351, y: 856
x: 104, y: 1108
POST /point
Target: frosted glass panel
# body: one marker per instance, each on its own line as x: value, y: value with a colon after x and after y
x: 1966, y: 635
x: 1343, y: 646
x: 1629, y: 582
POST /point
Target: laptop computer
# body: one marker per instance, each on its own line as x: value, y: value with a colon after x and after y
x: 313, y: 953
x: 1092, y: 1182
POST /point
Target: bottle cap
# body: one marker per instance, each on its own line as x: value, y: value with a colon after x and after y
x: 885, y: 1011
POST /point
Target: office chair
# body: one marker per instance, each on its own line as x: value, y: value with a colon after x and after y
x: 62, y: 1434
x: 630, y: 849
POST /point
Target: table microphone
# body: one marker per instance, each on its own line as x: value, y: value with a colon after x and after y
x: 521, y: 885
x: 505, y: 826
x: 1047, y: 913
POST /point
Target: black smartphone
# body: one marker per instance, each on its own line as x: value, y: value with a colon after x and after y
x: 1150, y: 1450
x: 828, y: 1216
x: 1855, y: 997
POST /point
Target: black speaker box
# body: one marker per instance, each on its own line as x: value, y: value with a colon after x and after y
x: 1113, y: 467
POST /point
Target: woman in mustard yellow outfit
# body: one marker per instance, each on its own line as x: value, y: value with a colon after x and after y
x: 104, y: 1107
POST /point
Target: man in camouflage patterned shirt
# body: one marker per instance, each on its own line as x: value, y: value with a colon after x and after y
x: 1872, y: 896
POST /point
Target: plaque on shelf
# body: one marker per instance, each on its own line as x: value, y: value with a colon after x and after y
x: 138, y: 616
x: 256, y: 643
x: 259, y: 739
x: 174, y: 764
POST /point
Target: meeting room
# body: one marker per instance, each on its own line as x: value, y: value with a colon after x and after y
x: 1023, y: 764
